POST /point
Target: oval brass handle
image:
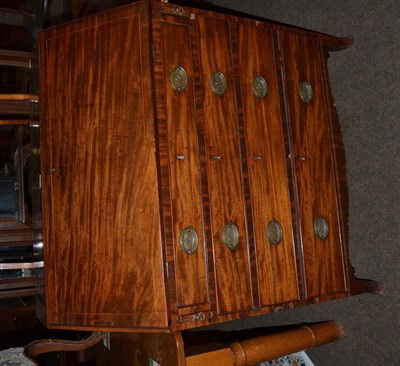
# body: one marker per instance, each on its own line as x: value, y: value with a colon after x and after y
x: 178, y: 79
x: 189, y: 240
x: 321, y: 228
x: 230, y: 236
x: 274, y: 232
x: 218, y: 83
x: 260, y: 87
x: 306, y: 92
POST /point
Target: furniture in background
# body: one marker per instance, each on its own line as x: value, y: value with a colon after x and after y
x: 19, y: 171
x: 25, y: 356
x: 18, y: 116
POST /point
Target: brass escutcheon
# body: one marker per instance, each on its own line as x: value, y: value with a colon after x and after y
x: 274, y: 232
x: 321, y: 227
x: 179, y: 79
x: 189, y: 240
x: 218, y: 83
x: 179, y: 10
x: 230, y: 236
x: 306, y: 92
x: 199, y: 317
x: 260, y: 87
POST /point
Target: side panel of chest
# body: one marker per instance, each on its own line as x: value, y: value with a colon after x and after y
x: 102, y: 234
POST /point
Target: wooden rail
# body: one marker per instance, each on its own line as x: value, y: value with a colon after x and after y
x: 260, y: 349
x: 19, y: 97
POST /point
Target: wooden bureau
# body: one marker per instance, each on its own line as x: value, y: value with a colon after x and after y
x: 193, y: 170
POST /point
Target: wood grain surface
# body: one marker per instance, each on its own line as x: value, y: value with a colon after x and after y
x: 182, y: 148
x: 102, y: 237
x: 224, y: 176
x: 266, y: 159
x: 128, y: 162
x: 314, y: 169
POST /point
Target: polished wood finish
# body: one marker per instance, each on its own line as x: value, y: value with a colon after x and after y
x: 181, y: 145
x: 20, y: 292
x: 267, y: 164
x: 175, y: 349
x: 17, y: 122
x: 128, y: 162
x: 15, y: 108
x: 256, y: 350
x: 313, y: 164
x: 18, y: 97
x: 232, y: 270
x: 104, y: 259
x: 220, y: 357
x: 16, y: 58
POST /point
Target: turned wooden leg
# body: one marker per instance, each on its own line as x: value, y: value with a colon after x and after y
x: 259, y: 349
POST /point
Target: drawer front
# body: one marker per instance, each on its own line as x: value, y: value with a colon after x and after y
x: 229, y: 241
x: 313, y: 162
x: 267, y: 166
x: 182, y: 149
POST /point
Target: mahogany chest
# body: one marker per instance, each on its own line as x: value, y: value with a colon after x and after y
x: 193, y: 169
